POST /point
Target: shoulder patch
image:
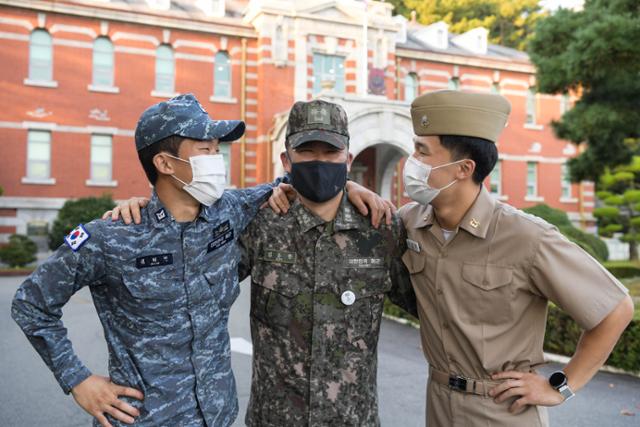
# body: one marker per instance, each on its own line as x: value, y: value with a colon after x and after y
x: 77, y: 238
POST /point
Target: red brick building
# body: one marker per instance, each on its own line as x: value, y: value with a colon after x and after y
x: 77, y: 74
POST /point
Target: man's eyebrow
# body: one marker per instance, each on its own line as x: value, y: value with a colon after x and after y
x: 421, y: 145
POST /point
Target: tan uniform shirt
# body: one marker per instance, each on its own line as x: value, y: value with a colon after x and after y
x: 482, y: 300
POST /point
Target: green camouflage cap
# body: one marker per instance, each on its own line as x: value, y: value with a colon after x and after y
x: 317, y: 121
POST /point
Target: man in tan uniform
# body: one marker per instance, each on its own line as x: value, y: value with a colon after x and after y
x: 484, y: 272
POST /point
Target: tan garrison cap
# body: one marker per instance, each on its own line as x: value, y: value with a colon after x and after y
x: 450, y: 112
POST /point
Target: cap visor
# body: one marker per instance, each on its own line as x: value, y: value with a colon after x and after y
x: 335, y: 139
x: 224, y: 130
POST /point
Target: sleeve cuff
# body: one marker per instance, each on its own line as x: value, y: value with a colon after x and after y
x: 69, y: 380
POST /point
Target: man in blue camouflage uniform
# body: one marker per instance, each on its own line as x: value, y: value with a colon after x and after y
x: 162, y: 289
x: 319, y: 276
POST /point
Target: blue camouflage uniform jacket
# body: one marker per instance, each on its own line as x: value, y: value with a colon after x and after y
x: 162, y: 290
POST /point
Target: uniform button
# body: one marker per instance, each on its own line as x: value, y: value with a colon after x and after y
x: 485, y: 283
x: 444, y: 254
x: 439, y: 291
x: 348, y: 298
x: 445, y: 325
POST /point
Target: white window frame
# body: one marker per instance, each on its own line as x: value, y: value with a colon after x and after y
x: 454, y: 83
x: 415, y: 84
x: 40, y: 70
x: 32, y: 140
x: 161, y: 90
x: 338, y: 77
x: 222, y: 90
x: 98, y: 70
x: 225, y: 150
x: 495, y: 178
x: 101, y: 140
x: 529, y: 197
x: 530, y: 108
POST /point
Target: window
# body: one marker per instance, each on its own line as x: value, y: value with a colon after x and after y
x: 103, y: 62
x: 40, y: 56
x: 328, y: 67
x: 101, y: 158
x: 495, y: 87
x: 38, y: 155
x: 495, y: 179
x: 280, y: 48
x: 225, y: 150
x: 565, y: 103
x: 531, y: 107
x: 566, y: 182
x: 410, y: 87
x: 454, y: 83
x: 165, y: 69
x: 380, y: 54
x: 532, y: 179
x: 222, y: 75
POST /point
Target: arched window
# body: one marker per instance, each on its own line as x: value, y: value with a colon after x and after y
x: 102, y: 62
x: 280, y: 48
x: 222, y: 75
x: 410, y: 87
x: 165, y: 69
x: 40, y: 56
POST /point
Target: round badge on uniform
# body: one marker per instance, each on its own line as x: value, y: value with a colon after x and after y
x: 348, y: 298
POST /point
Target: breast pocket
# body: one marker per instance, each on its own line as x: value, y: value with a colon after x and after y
x: 223, y: 282
x: 414, y: 262
x: 360, y: 296
x: 274, y: 288
x: 486, y: 293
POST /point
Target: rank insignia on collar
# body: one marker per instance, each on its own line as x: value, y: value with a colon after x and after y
x: 161, y: 214
x: 474, y: 223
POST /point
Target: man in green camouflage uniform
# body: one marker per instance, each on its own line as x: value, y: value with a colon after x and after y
x: 319, y: 277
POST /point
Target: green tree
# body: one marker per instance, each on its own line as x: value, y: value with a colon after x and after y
x: 19, y: 252
x: 76, y: 212
x: 620, y: 211
x: 510, y: 22
x: 594, y: 53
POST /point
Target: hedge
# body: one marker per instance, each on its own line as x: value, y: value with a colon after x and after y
x: 562, y: 336
x: 623, y: 269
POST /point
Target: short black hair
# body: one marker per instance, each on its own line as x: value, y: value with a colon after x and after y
x: 482, y: 151
x: 170, y: 144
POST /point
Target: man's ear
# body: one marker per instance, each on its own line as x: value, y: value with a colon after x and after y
x: 163, y: 165
x: 286, y: 163
x: 466, y: 169
x: 349, y: 161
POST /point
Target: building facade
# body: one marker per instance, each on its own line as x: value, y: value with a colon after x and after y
x: 77, y: 74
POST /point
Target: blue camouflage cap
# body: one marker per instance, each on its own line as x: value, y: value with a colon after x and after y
x: 183, y: 116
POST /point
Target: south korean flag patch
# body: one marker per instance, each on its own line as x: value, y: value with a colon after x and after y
x: 77, y: 237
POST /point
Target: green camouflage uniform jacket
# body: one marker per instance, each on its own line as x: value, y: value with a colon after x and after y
x: 317, y: 296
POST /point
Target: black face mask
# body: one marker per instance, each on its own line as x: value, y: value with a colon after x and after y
x: 318, y: 181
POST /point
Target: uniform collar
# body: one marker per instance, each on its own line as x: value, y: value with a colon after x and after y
x: 346, y: 218
x: 160, y: 216
x: 478, y: 218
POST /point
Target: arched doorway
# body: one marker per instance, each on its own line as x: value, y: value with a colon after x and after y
x: 381, y: 136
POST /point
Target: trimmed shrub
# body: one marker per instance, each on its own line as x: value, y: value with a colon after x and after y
x: 549, y: 214
x: 623, y: 270
x: 76, y: 212
x: 563, y: 334
x: 20, y: 251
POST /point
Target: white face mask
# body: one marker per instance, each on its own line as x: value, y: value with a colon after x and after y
x: 209, y: 177
x: 416, y: 180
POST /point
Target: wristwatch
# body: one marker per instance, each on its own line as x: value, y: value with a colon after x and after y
x: 558, y: 380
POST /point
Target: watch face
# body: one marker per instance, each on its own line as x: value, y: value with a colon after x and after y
x: 557, y: 379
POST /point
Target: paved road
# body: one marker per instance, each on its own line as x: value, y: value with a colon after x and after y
x: 29, y: 396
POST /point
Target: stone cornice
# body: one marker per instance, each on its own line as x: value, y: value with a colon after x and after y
x: 222, y: 26
x: 472, y: 61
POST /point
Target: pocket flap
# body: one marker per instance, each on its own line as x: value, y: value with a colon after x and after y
x: 366, y: 282
x: 414, y: 261
x: 143, y: 285
x: 275, y: 277
x: 487, y: 276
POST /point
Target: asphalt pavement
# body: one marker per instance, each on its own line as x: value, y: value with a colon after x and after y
x: 30, y: 396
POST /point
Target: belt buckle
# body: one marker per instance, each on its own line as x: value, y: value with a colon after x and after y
x: 458, y: 383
